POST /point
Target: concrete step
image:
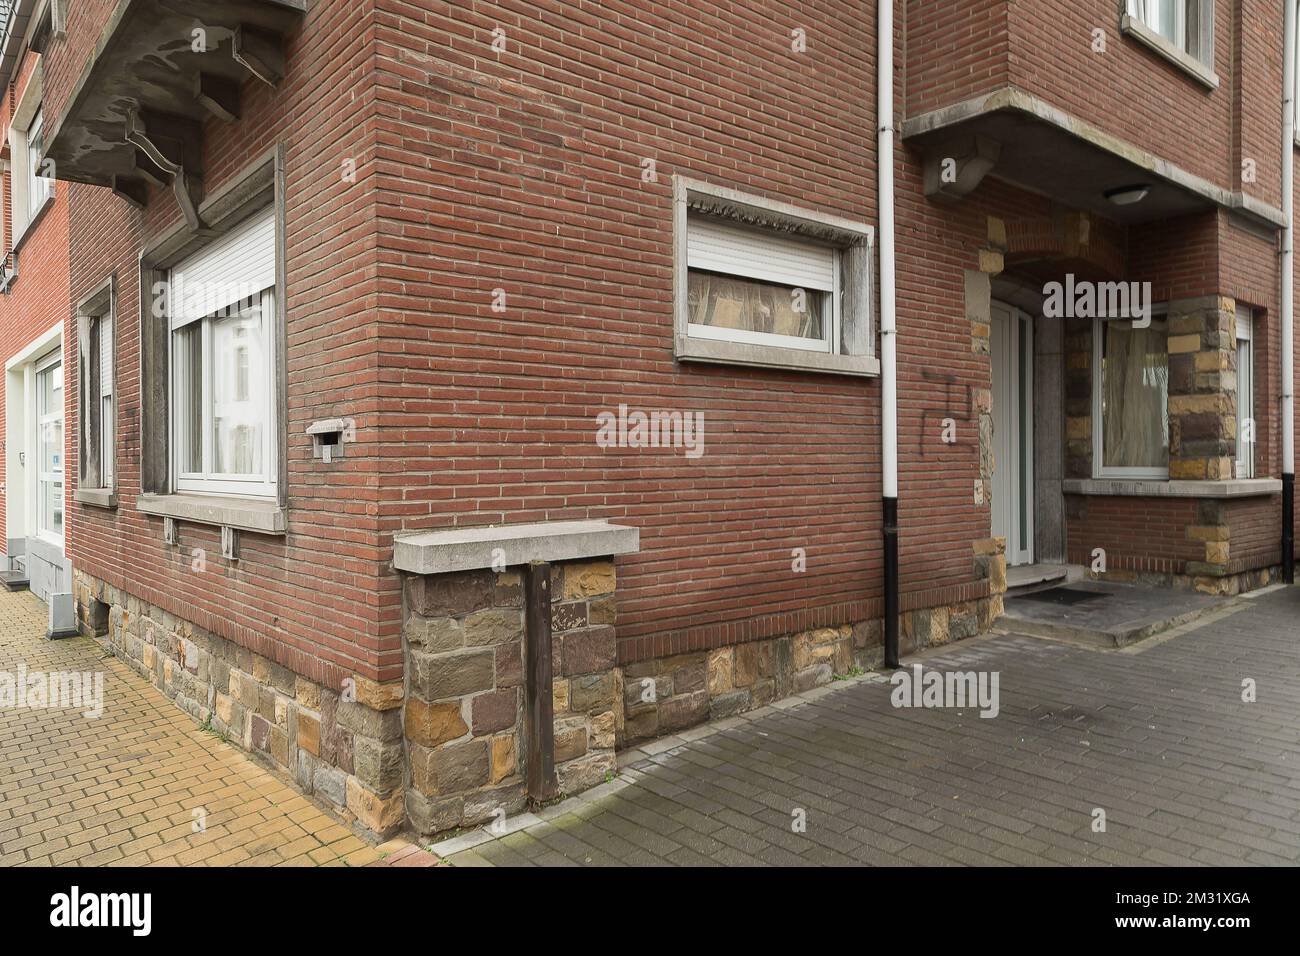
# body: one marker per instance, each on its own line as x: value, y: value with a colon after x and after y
x: 14, y: 580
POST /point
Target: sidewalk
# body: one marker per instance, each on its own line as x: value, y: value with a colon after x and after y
x: 142, y: 784
x: 1155, y: 735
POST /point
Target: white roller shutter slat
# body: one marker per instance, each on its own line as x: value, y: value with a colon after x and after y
x: 1245, y: 327
x: 106, y: 355
x: 720, y: 247
x: 237, y: 265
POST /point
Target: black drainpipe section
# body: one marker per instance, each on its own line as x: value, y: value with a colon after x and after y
x: 891, y: 582
x: 1288, y: 527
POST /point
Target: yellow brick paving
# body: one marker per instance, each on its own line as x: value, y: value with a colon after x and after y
x: 127, y: 788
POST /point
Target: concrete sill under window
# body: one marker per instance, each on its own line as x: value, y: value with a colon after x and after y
x: 98, y: 497
x: 1140, y: 488
x: 246, y: 514
x: 690, y: 349
x: 1180, y: 58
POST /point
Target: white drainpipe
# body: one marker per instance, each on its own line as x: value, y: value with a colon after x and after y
x: 888, y: 336
x: 1288, y: 294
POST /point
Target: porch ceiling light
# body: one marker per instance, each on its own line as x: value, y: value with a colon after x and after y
x: 1127, y: 195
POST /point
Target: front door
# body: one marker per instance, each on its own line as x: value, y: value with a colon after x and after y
x: 1013, y: 431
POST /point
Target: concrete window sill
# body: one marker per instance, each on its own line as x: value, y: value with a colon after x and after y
x: 1153, y: 41
x: 98, y: 497
x: 1138, y: 488
x: 470, y: 549
x: 690, y: 349
x: 246, y: 514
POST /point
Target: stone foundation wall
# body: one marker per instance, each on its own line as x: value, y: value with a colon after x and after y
x: 342, y: 744
x: 464, y: 644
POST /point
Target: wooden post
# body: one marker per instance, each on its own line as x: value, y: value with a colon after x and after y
x: 539, y: 710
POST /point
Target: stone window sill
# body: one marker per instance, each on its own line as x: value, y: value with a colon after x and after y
x: 1139, y: 488
x: 470, y: 549
x: 690, y: 349
x: 98, y: 497
x: 246, y: 514
x: 1162, y: 47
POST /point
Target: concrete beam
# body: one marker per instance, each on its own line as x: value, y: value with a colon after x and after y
x: 261, y: 53
x: 469, y: 549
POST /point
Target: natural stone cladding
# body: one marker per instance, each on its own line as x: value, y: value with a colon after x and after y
x: 343, y: 745
x: 464, y: 642
x: 446, y: 748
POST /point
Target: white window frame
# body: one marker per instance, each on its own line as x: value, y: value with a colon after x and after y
x: 1099, y: 467
x: 42, y: 419
x: 1194, y: 52
x: 846, y: 345
x: 1244, y: 462
x: 30, y: 192
x: 205, y: 481
x: 97, y: 383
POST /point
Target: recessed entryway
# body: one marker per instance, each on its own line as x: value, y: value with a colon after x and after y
x: 1012, y: 354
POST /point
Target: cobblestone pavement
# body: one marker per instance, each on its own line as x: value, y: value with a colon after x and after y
x: 124, y: 788
x: 1156, y: 735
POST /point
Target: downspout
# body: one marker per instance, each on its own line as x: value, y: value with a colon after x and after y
x: 888, y: 336
x: 1288, y: 293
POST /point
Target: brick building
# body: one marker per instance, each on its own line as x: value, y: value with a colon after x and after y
x: 366, y: 307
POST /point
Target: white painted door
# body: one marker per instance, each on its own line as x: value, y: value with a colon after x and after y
x: 1012, y: 348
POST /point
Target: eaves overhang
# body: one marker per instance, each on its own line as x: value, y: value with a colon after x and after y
x: 1024, y: 140
x: 160, y: 69
x: 16, y: 15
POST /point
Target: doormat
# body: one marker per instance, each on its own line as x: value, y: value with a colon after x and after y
x: 1062, y: 596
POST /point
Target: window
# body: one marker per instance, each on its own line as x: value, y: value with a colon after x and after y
x: 1130, y: 399
x: 95, y: 395
x: 49, y: 443
x: 1245, y: 467
x: 745, y: 286
x: 762, y: 283
x: 1179, y: 30
x: 1166, y: 17
x: 38, y: 189
x: 221, y: 306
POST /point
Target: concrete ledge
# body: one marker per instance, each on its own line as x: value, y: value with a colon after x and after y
x: 247, y: 514
x: 1137, y: 488
x: 692, y: 349
x: 99, y: 497
x: 469, y: 549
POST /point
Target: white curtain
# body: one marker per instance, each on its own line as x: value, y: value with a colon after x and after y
x: 1135, y: 396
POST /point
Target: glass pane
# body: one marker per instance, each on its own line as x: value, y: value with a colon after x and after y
x: 726, y: 302
x: 188, y: 352
x: 49, y: 390
x: 1135, y: 395
x: 239, y: 375
x: 106, y: 441
x: 51, y: 447
x: 52, y: 507
x: 1245, y: 409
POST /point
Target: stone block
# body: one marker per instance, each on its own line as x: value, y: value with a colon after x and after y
x: 508, y: 590
x: 434, y: 814
x: 509, y: 665
x: 376, y: 724
x: 307, y: 694
x: 726, y: 705
x: 494, y: 711
x: 745, y: 670
x: 584, y: 773
x: 308, y: 733
x: 433, y: 724
x: 379, y: 814
x: 440, y: 676
x: 602, y: 731
x: 588, y: 579
x: 377, y: 765
x: 494, y: 625
x: 720, y: 664
x: 603, y: 610
x: 593, y: 693
x: 690, y: 674
x: 570, y: 738
x: 331, y: 783
x: 587, y: 650
x: 460, y: 767
x: 435, y: 634
x: 502, y: 757
x: 810, y: 677
x: 485, y: 805
x: 450, y: 595
x: 568, y: 615
x: 684, y: 710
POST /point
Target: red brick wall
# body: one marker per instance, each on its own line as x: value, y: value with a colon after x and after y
x: 307, y: 599
x: 1137, y: 534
